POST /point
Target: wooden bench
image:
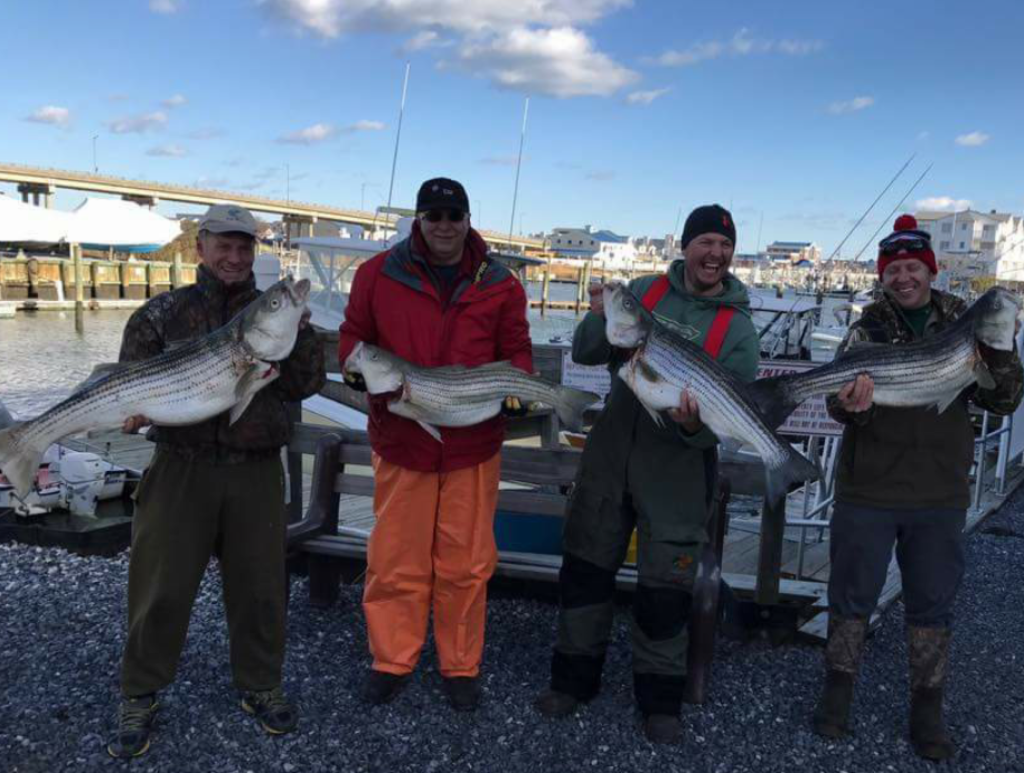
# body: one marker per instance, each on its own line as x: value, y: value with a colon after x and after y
x: 545, y: 476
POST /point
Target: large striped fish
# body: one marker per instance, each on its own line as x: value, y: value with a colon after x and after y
x: 931, y: 371
x: 457, y: 395
x: 665, y: 363
x: 219, y: 372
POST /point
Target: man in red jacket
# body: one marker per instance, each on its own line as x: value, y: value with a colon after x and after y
x: 434, y: 299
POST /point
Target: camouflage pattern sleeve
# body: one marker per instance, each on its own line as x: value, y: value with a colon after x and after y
x: 302, y: 373
x: 855, y: 335
x: 142, y: 337
x: 1008, y: 374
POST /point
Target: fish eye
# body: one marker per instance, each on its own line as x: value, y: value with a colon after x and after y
x: 628, y: 304
x: 276, y: 303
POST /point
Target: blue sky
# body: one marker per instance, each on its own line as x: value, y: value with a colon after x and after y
x: 797, y: 113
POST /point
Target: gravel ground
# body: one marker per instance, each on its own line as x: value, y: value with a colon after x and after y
x: 63, y: 627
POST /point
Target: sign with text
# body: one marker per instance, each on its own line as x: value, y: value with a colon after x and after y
x: 811, y: 418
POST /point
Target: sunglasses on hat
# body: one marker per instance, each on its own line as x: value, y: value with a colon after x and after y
x: 437, y: 215
x: 913, y: 244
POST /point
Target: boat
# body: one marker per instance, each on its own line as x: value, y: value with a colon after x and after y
x: 70, y: 481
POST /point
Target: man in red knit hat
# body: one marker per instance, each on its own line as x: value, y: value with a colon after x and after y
x: 903, y: 479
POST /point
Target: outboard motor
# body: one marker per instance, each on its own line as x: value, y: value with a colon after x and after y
x: 82, y: 479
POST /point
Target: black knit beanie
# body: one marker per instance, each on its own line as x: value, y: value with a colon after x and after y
x: 709, y: 219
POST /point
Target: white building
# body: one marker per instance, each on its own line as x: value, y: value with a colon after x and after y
x: 610, y: 249
x: 990, y: 243
x: 794, y: 252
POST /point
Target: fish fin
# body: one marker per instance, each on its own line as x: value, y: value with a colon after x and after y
x: 945, y: 401
x: 99, y: 373
x: 860, y: 343
x: 19, y: 463
x: 248, y: 385
x: 795, y: 469
x: 984, y: 375
x: 657, y: 417
x: 570, y: 404
x: 731, y: 445
x: 773, y: 399
x: 431, y: 430
x: 6, y: 420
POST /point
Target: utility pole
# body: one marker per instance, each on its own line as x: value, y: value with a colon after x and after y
x: 95, y: 168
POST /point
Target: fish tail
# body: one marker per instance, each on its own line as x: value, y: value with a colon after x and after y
x: 570, y: 404
x: 19, y: 461
x: 775, y: 399
x: 794, y: 468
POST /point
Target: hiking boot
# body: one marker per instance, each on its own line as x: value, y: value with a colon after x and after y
x: 463, y: 692
x: 555, y: 704
x: 381, y: 687
x: 663, y: 728
x: 928, y: 649
x: 271, y: 708
x: 832, y: 716
x: 134, y: 725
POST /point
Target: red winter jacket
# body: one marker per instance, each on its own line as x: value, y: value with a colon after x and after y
x: 396, y: 305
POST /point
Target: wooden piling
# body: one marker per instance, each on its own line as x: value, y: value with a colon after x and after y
x: 544, y: 289
x: 76, y: 254
x: 176, y: 271
x: 579, y: 290
x: 769, y: 563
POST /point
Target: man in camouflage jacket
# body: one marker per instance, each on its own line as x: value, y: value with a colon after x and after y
x: 903, y: 479
x: 212, y: 488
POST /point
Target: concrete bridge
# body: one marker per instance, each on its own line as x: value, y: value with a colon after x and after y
x: 40, y: 184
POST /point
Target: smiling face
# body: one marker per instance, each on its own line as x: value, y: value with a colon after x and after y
x: 708, y: 257
x: 909, y: 281
x: 445, y: 237
x: 228, y: 256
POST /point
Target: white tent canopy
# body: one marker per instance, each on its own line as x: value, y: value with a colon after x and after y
x: 24, y: 223
x: 121, y: 225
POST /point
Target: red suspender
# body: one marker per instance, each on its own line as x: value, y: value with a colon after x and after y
x: 719, y: 326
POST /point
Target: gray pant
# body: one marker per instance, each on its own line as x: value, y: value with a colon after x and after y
x: 929, y: 551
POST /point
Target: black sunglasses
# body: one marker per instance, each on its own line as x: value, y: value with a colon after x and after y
x: 437, y: 215
x: 915, y: 244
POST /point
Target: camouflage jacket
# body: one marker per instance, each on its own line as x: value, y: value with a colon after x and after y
x: 916, y: 457
x: 194, y: 311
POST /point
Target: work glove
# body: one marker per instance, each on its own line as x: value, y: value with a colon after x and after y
x: 354, y: 381
x: 513, y: 408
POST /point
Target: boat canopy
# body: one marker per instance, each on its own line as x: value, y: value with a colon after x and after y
x: 121, y: 225
x: 22, y: 223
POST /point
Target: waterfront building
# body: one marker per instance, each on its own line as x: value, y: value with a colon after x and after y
x: 794, y: 252
x: 609, y: 248
x: 976, y: 245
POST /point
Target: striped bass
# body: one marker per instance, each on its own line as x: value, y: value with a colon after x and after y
x: 931, y: 371
x: 457, y: 395
x: 188, y: 384
x: 665, y: 363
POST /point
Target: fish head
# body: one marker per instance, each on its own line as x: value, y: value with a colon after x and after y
x: 270, y: 323
x: 995, y: 317
x: 626, y: 321
x: 381, y: 370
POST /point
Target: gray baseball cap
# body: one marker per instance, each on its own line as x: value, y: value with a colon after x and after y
x: 228, y: 218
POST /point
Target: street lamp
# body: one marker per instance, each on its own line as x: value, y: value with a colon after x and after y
x: 287, y: 183
x: 95, y: 168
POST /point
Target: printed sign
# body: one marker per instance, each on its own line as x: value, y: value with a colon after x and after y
x: 811, y: 418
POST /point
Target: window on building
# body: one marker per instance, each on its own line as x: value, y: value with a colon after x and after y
x: 947, y: 228
x: 963, y: 226
x: 962, y: 244
x: 943, y: 245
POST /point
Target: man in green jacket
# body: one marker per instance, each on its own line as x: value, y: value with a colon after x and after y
x: 902, y: 479
x: 660, y: 481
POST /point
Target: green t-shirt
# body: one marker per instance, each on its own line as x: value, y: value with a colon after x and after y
x: 918, y: 318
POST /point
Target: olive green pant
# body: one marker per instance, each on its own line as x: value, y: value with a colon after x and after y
x: 187, y: 510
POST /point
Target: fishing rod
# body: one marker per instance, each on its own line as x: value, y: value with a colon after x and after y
x: 873, y: 203
x: 519, y: 163
x: 893, y: 212
x: 398, y: 139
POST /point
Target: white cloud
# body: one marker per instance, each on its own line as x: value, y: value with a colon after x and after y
x: 499, y: 160
x: 364, y: 126
x: 944, y: 204
x: 206, y: 133
x: 167, y: 151
x: 851, y: 105
x: 741, y: 44
x: 50, y: 114
x: 646, y: 97
x: 924, y: 136
x: 518, y: 45
x: 138, y: 124
x: 165, y: 6
x: 972, y: 140
x: 559, y: 62
x: 331, y: 18
x: 311, y: 135
x: 211, y: 182
x: 176, y: 101
x: 601, y: 175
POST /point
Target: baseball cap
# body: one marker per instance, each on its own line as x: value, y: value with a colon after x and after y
x: 442, y: 193
x: 228, y: 218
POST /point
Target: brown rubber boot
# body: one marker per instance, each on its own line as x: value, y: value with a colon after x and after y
x: 842, y: 659
x: 929, y: 661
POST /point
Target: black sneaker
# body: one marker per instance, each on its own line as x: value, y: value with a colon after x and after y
x: 463, y: 692
x: 555, y: 704
x: 381, y: 687
x: 134, y: 724
x: 275, y: 714
x: 663, y: 728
